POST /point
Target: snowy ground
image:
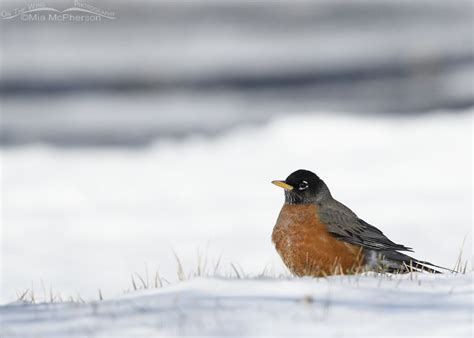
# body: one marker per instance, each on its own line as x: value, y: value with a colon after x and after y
x: 375, y: 306
x: 79, y: 220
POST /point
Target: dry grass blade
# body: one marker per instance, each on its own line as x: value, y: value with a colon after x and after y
x: 461, y: 265
x: 158, y: 280
x: 235, y: 270
x: 134, y: 285
x: 180, y: 270
x: 142, y: 281
x: 22, y: 296
x: 216, y: 266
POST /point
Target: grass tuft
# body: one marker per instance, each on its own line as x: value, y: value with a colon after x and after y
x: 206, y: 268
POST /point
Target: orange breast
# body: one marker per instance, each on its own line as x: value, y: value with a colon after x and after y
x: 307, y: 248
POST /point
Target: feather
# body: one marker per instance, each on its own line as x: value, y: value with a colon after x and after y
x: 346, y: 226
x: 381, y: 252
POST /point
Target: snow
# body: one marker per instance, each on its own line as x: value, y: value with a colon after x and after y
x: 78, y: 220
x: 368, y: 305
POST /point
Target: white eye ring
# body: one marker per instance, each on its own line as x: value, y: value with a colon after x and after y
x: 303, y: 185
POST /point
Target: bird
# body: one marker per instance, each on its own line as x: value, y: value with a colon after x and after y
x: 315, y: 235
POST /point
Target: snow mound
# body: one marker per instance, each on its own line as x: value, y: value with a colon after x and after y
x: 361, y: 305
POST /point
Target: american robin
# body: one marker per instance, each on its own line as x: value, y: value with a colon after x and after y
x: 316, y: 235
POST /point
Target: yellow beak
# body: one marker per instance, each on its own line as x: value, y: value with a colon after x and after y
x: 283, y: 185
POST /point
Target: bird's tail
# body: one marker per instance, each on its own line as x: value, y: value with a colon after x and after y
x: 397, y: 262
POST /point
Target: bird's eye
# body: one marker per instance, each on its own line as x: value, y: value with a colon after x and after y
x: 303, y: 185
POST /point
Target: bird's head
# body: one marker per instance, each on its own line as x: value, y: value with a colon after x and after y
x: 303, y: 187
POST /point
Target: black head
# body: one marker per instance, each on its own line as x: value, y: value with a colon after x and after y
x: 303, y: 186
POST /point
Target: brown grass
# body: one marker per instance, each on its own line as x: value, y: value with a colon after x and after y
x: 203, y: 268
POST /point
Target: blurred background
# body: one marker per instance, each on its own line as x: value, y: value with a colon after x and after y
x: 158, y: 125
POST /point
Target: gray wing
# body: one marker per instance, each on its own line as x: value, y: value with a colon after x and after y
x: 346, y: 226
